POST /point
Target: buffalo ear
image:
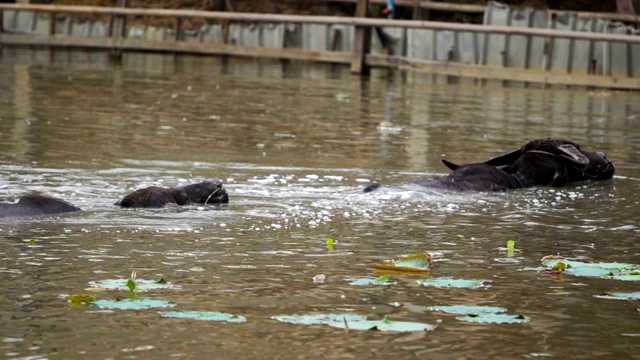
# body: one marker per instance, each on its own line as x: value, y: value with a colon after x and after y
x: 573, y: 155
x: 506, y: 159
x: 450, y: 165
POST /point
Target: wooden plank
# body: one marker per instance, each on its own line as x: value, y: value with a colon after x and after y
x: 471, y: 8
x: 338, y: 57
x: 300, y: 19
x: 501, y: 73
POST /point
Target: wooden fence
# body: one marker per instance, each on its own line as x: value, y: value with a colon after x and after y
x: 359, y: 58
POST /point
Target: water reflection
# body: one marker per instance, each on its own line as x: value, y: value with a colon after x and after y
x: 295, y: 144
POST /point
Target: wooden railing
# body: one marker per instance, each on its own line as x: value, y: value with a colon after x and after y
x: 360, y: 58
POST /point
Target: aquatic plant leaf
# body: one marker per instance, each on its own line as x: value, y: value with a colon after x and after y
x: 626, y: 277
x: 383, y: 325
x: 140, y: 284
x: 495, y: 318
x: 131, y: 285
x: 204, y: 315
x: 353, y: 322
x: 132, y: 304
x: 620, y: 295
x: 616, y: 271
x: 382, y: 280
x: 454, y: 283
x: 81, y: 299
x: 559, y: 266
x: 319, y: 319
x: 466, y: 310
x: 511, y: 247
x: 414, y: 263
x: 330, y: 242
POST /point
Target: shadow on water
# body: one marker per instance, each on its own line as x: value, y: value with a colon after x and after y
x: 295, y: 146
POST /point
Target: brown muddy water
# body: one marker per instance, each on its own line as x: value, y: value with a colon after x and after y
x: 295, y: 144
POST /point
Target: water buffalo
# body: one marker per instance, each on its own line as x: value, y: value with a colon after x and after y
x: 206, y: 192
x: 33, y: 204
x: 542, y: 162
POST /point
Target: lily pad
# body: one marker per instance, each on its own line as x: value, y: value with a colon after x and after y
x: 616, y: 271
x: 382, y: 280
x: 204, y: 315
x: 132, y: 304
x: 383, y: 325
x: 414, y: 263
x: 353, y: 322
x: 454, y: 283
x: 495, y: 318
x: 482, y: 314
x: 620, y: 295
x: 319, y: 319
x: 140, y: 284
x: 466, y: 310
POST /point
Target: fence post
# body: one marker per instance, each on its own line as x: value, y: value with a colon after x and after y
x: 361, y: 42
x: 118, y: 29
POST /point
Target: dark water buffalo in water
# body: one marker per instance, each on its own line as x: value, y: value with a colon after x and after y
x: 542, y: 162
x: 207, y: 192
x: 33, y: 204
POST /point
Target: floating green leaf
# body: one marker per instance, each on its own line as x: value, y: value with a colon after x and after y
x: 204, y: 315
x: 454, y: 283
x: 330, y: 242
x: 132, y: 304
x: 81, y: 299
x: 495, y: 318
x: 131, y: 285
x: 140, y: 284
x: 466, y: 310
x: 319, y: 319
x: 382, y: 280
x: 414, y: 263
x: 616, y: 271
x: 620, y: 295
x: 353, y: 322
x: 383, y: 325
x: 482, y: 314
x: 511, y: 247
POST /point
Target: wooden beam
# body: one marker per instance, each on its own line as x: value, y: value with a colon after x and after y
x: 337, y: 57
x: 401, y: 63
x: 502, y: 73
x: 300, y: 19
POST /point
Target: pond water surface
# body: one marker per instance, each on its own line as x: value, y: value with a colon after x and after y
x: 295, y: 145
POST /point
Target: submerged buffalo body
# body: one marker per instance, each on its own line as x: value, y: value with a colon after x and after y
x: 33, y: 204
x: 206, y: 192
x: 543, y: 162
